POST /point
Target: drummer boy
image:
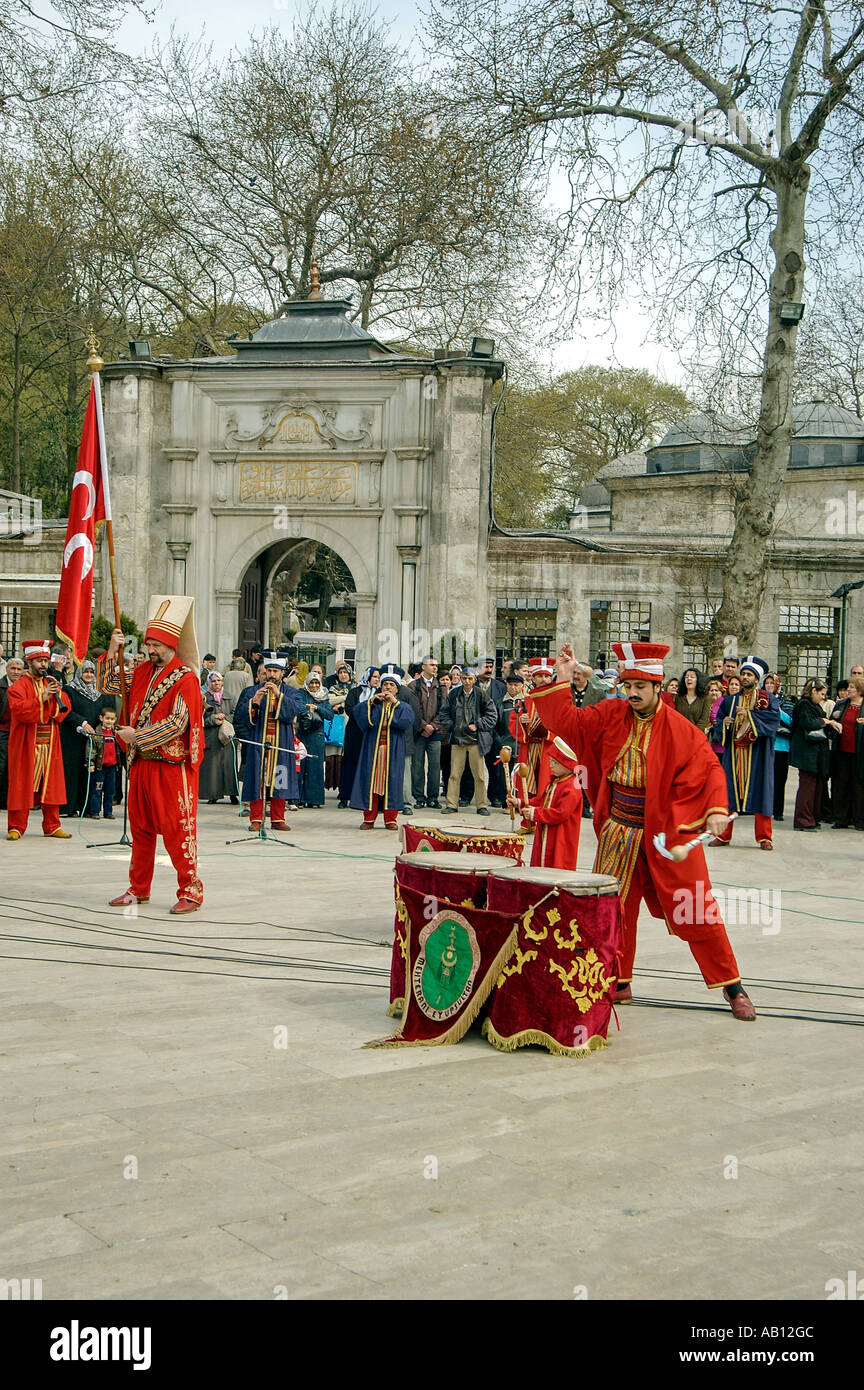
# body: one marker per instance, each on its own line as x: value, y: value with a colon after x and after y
x: 556, y: 813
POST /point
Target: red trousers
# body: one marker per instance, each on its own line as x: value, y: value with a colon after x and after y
x: 277, y: 811
x: 390, y: 816
x: 163, y: 800
x: 762, y: 826
x: 712, y: 953
x: 50, y: 818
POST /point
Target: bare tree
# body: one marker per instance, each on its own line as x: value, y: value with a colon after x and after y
x: 830, y: 361
x: 705, y: 143
x: 58, y: 50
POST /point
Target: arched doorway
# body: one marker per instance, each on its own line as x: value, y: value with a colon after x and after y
x: 295, y: 586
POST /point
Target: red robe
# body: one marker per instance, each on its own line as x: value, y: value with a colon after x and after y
x: 533, y: 752
x: 684, y: 785
x: 29, y: 712
x: 163, y: 772
x: 557, y: 823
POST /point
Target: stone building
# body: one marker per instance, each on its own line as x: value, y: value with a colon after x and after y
x: 314, y: 431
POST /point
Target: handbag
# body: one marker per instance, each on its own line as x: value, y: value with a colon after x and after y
x: 226, y: 731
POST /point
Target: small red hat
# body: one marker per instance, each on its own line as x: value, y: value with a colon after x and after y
x: 563, y: 753
x: 640, y: 661
x: 35, y: 649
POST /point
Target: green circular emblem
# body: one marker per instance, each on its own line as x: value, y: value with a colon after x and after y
x: 446, y: 965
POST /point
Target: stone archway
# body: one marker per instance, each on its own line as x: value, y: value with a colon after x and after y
x: 261, y: 547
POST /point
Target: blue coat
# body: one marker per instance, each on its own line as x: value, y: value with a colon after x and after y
x: 286, y: 783
x: 751, y: 791
x: 368, y: 716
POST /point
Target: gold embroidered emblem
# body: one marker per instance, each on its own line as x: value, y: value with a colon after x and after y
x: 514, y: 966
x: 575, y: 938
x: 587, y: 972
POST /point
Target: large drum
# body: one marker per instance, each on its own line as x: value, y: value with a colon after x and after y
x: 451, y: 878
x: 558, y: 987
x: 419, y: 835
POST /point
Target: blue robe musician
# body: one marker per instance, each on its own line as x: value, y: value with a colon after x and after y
x: 384, y: 720
x: 749, y: 722
x: 271, y: 757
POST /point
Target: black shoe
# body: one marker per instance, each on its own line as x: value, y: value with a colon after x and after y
x: 407, y: 810
x: 107, y: 816
x: 778, y: 818
x: 482, y: 810
x: 213, y: 801
x: 342, y: 805
x: 420, y: 802
x: 233, y: 801
x: 807, y: 827
x: 841, y: 825
x: 449, y: 810
x: 433, y: 805
x: 464, y: 801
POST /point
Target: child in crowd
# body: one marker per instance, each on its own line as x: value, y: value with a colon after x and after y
x: 104, y: 766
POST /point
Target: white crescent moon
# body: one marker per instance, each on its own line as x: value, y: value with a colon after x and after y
x: 81, y: 477
x: 80, y: 541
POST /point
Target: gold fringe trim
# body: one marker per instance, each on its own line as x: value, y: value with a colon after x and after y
x: 462, y: 1024
x: 397, y: 1007
x: 535, y: 1036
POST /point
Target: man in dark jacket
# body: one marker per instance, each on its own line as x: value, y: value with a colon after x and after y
x: 426, y: 759
x: 496, y: 690
x: 469, y: 715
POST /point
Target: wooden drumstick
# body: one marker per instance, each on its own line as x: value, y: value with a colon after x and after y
x: 504, y: 756
x: 523, y: 772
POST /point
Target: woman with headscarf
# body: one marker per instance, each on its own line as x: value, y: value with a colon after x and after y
x: 310, y: 725
x: 358, y: 695
x: 75, y: 731
x: 334, y: 729
x: 218, y: 774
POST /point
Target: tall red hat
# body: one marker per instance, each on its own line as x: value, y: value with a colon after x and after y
x: 542, y: 663
x: 33, y: 650
x: 640, y: 661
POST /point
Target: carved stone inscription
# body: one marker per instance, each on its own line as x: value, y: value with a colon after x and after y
x: 272, y: 481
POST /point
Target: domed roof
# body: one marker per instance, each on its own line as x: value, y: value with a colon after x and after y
x: 821, y: 420
x: 311, y: 329
x: 706, y: 427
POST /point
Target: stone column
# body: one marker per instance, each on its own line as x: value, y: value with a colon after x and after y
x: 227, y: 601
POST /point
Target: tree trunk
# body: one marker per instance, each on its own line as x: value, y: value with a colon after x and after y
x: 323, y: 606
x: 745, y: 571
x: 16, y: 414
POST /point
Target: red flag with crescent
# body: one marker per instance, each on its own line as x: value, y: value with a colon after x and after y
x: 88, y: 506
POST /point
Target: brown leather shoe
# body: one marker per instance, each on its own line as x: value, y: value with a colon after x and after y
x: 623, y: 995
x: 126, y: 899
x: 279, y: 825
x: 184, y: 905
x: 766, y: 844
x: 715, y: 843
x: 741, y: 1006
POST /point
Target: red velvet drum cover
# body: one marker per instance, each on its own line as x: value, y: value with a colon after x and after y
x: 558, y: 987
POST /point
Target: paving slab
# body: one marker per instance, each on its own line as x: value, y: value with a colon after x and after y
x: 695, y: 1158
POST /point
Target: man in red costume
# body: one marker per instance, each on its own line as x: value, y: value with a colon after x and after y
x: 533, y: 737
x: 649, y: 770
x: 165, y: 744
x: 556, y: 815
x: 37, y: 705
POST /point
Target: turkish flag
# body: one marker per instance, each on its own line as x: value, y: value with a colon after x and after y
x: 87, y: 507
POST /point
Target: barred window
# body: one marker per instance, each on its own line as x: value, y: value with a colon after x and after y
x: 526, y: 628
x: 10, y: 628
x: 618, y: 620
x: 698, y: 644
x: 807, y: 618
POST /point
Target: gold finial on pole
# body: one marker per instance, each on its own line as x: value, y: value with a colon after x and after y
x: 95, y: 363
x: 315, y: 291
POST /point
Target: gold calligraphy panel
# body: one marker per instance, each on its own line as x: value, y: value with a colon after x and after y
x: 266, y: 480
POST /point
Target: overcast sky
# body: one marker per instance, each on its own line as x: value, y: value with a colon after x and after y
x: 227, y: 24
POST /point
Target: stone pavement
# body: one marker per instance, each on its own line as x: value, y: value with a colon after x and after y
x: 158, y: 1143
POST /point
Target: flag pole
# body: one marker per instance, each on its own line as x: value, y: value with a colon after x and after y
x: 95, y: 363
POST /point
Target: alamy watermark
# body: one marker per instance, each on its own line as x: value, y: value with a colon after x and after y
x: 20, y: 517
x: 737, y: 907
x: 718, y: 126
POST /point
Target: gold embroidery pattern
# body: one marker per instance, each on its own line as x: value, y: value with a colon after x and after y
x: 514, y: 966
x: 588, y: 973
x: 402, y: 921
x: 189, y: 843
x: 575, y: 938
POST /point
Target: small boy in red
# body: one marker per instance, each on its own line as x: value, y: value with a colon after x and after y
x: 555, y: 813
